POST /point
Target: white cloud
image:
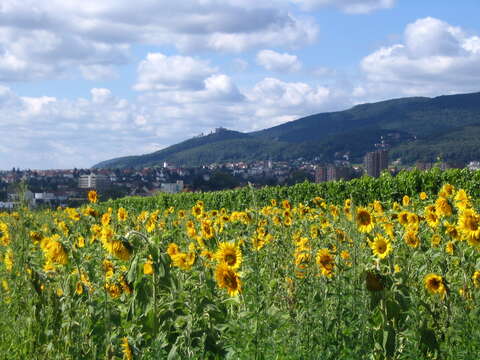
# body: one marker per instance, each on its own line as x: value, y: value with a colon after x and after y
x: 239, y: 64
x: 274, y: 100
x: 274, y: 61
x: 161, y: 72
x: 48, y: 132
x: 98, y: 72
x: 348, y: 6
x: 434, y: 58
x: 30, y: 54
x: 42, y: 40
x: 100, y: 96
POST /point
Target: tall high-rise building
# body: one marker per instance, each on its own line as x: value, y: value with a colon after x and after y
x: 332, y: 173
x: 321, y: 174
x: 375, y: 162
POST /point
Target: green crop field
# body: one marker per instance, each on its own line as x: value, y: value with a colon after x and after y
x: 384, y: 268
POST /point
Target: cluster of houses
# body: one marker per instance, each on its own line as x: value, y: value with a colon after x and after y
x: 69, y: 187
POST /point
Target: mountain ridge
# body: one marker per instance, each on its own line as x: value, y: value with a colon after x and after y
x: 404, y: 123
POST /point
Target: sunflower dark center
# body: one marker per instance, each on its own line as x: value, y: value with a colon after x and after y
x: 230, y: 259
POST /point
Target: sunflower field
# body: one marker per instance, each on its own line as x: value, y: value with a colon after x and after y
x: 283, y: 280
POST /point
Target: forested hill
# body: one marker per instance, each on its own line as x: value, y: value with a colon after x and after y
x: 417, y: 129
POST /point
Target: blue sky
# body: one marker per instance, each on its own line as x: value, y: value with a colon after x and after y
x: 84, y: 83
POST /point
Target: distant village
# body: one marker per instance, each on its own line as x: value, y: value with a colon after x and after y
x: 52, y: 188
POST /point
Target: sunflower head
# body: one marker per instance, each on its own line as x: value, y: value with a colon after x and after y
x: 411, y: 238
x: 377, y: 207
x: 443, y: 207
x: 374, y: 282
x: 229, y: 254
x: 403, y: 217
x: 432, y: 219
x: 446, y: 191
x: 435, y: 284
x: 364, y: 220
x: 325, y: 262
x: 228, y: 279
x: 435, y: 240
x: 381, y: 246
x: 92, y: 196
x: 469, y: 226
x: 476, y: 278
x: 122, y: 214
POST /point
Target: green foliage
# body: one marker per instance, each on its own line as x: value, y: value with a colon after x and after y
x: 366, y: 307
x: 386, y: 188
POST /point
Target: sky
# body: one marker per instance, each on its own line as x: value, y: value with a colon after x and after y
x: 86, y: 81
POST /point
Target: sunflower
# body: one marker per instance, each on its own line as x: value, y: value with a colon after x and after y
x: 114, y: 290
x: 423, y: 195
x: 435, y: 240
x: 377, y: 207
x: 411, y: 238
x: 79, y: 288
x: 314, y: 231
x: 106, y: 218
x: 207, y: 230
x: 432, y: 219
x: 451, y: 230
x: 325, y: 262
x: 172, y: 249
x: 183, y: 261
x: 333, y: 211
x: 197, y: 210
x: 373, y: 281
x: 288, y: 221
x: 108, y: 268
x: 403, y: 217
x: 120, y: 249
x: 462, y: 200
x: 443, y: 207
x: 389, y: 229
x: 122, y: 214
x: 126, y: 349
x: 469, y: 226
x: 8, y: 260
x: 364, y: 220
x: 92, y: 196
x: 258, y: 242
x: 449, y: 247
x: 228, y: 279
x: 229, y: 254
x: 286, y: 205
x: 55, y: 253
x: 476, y: 278
x: 277, y: 220
x: 148, y: 266
x: 345, y: 255
x: 406, y: 200
x: 446, y: 191
x: 413, y: 219
x: 381, y: 246
x: 181, y: 214
x: 435, y: 285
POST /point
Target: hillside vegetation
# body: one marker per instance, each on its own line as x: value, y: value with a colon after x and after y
x: 415, y: 128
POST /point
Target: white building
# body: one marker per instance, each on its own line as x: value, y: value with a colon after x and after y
x: 93, y: 181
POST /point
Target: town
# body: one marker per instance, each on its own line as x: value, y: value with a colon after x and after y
x: 53, y: 188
